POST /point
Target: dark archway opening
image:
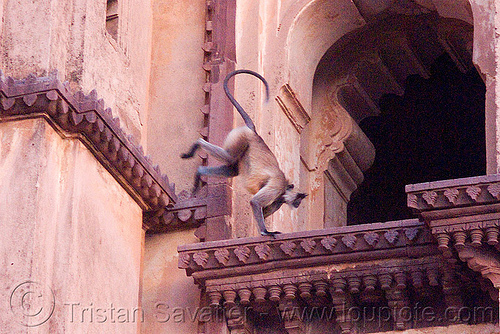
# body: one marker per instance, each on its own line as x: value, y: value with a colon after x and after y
x: 435, y: 131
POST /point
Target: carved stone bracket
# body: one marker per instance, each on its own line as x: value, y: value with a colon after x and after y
x: 292, y: 290
x: 86, y: 117
x: 483, y: 261
x: 464, y: 217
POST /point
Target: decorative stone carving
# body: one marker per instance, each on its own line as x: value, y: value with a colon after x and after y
x: 308, y: 245
x: 275, y: 293
x: 86, y: 117
x: 391, y: 236
x: 305, y: 290
x: 452, y: 195
x: 371, y: 238
x: 288, y: 247
x: 473, y: 192
x: 263, y: 251
x: 289, y: 290
x: 494, y: 190
x: 311, y: 244
x: 184, y: 260
x: 242, y: 253
x: 412, y: 233
x: 430, y: 197
x: 244, y: 295
x: 329, y: 243
x: 222, y: 256
x: 201, y: 259
x: 349, y: 240
x: 464, y: 226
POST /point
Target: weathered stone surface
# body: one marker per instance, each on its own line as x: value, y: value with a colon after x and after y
x: 67, y: 225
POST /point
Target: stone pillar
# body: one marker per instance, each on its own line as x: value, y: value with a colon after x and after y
x: 485, y: 57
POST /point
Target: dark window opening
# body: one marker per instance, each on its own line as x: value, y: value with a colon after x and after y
x: 435, y: 131
x: 112, y: 18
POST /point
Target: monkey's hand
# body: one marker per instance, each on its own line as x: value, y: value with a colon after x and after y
x: 272, y: 234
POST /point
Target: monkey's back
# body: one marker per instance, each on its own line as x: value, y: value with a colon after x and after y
x: 257, y: 164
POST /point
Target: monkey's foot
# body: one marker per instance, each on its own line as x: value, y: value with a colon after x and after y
x: 272, y: 234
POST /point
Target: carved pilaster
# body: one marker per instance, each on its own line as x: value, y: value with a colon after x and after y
x: 291, y: 316
x: 237, y: 320
x: 342, y: 302
x: 398, y: 302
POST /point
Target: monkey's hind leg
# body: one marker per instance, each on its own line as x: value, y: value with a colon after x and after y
x: 224, y: 170
x: 191, y: 152
x: 218, y: 152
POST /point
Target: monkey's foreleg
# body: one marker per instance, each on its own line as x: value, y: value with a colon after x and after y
x: 224, y: 171
x: 263, y: 196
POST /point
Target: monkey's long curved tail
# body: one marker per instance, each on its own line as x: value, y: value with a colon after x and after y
x: 246, y: 118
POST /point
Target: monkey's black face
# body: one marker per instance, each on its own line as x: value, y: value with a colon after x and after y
x: 298, y: 199
x: 293, y: 198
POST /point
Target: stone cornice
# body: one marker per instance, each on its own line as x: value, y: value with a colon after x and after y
x: 245, y: 256
x: 86, y: 117
x: 456, y: 194
x: 334, y: 269
x: 464, y: 217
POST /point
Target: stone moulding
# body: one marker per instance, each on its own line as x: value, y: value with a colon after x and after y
x: 331, y: 268
x: 448, y: 194
x: 85, y: 117
x: 464, y: 217
x: 308, y: 248
x: 290, y: 284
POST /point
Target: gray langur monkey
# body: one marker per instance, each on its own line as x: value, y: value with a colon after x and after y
x: 245, y: 152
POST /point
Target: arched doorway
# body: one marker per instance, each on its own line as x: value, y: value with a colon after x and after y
x: 410, y: 67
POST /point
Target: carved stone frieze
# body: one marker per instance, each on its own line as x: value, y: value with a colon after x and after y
x: 465, y: 220
x: 307, y: 248
x: 455, y: 193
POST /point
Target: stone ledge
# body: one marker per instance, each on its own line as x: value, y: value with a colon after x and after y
x: 305, y: 249
x: 86, y: 117
x: 447, y: 194
x: 464, y: 217
x: 391, y: 265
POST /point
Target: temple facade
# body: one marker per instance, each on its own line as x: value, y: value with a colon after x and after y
x: 384, y: 112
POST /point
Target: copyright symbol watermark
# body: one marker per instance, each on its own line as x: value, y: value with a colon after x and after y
x: 32, y: 303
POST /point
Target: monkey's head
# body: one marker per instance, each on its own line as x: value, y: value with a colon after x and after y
x: 292, y: 197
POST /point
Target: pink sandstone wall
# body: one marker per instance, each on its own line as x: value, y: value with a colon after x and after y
x: 70, y: 36
x: 177, y: 79
x: 174, y: 122
x: 71, y: 241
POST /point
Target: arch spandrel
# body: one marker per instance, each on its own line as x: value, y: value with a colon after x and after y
x: 311, y: 30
